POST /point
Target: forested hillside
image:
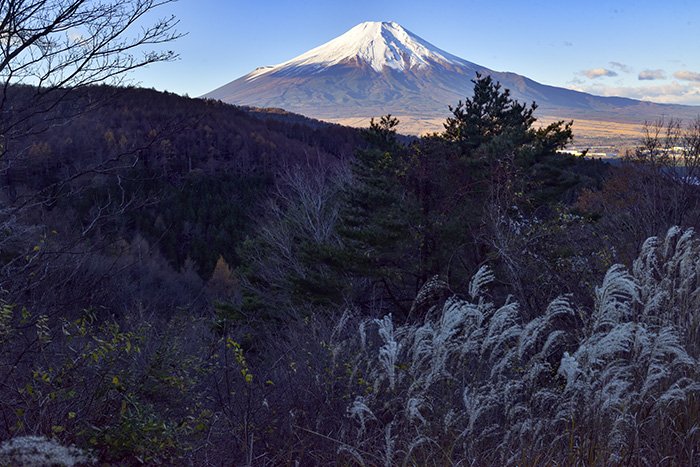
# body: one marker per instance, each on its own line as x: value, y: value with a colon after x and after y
x: 186, y: 173
x: 185, y: 281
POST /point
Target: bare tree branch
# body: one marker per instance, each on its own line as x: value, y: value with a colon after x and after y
x: 49, y: 48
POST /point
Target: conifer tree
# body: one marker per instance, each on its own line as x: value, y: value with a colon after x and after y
x: 498, y: 133
x: 376, y: 215
x: 490, y: 117
x: 416, y: 211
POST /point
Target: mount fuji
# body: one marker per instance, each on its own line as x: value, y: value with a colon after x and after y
x: 377, y: 68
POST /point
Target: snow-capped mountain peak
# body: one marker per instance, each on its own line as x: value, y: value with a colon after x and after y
x: 376, y: 44
x: 377, y: 68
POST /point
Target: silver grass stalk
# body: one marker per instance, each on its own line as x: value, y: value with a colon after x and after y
x: 389, y: 352
x: 481, y: 279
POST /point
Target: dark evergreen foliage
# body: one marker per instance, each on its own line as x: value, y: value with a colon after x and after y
x: 418, y: 210
x: 491, y: 117
x: 376, y: 216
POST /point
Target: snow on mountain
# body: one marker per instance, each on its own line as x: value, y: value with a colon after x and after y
x: 376, y: 44
x: 377, y: 68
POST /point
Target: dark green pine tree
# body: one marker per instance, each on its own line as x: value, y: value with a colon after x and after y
x: 498, y: 133
x: 412, y: 212
x: 491, y: 120
x: 376, y: 217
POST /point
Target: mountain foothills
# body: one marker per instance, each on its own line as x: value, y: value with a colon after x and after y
x: 189, y: 171
x: 379, y: 67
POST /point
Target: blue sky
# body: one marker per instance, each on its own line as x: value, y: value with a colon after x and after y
x: 603, y: 47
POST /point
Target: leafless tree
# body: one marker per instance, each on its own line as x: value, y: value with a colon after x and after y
x: 303, y: 210
x: 668, y: 162
x: 50, y: 48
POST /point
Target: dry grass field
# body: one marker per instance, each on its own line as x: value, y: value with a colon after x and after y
x: 587, y: 133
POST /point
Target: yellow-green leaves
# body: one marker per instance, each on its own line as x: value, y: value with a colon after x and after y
x: 238, y: 355
x: 43, y: 333
x: 6, y: 313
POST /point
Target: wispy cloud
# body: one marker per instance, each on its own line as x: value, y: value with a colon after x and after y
x: 671, y: 93
x: 621, y: 67
x: 686, y: 75
x: 594, y: 73
x: 651, y: 75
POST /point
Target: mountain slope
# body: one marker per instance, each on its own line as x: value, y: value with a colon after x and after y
x: 377, y: 68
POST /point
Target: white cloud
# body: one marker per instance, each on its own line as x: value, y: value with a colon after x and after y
x: 671, y: 93
x: 594, y: 73
x: 651, y: 75
x: 686, y: 75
